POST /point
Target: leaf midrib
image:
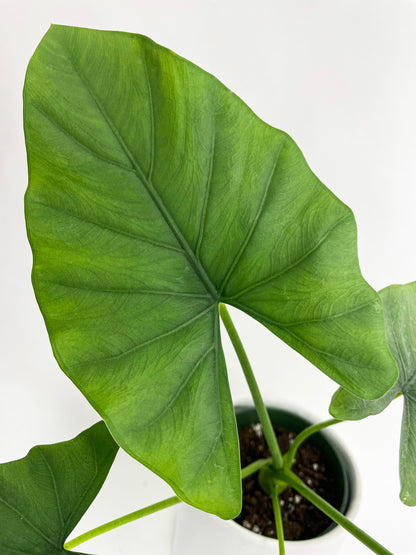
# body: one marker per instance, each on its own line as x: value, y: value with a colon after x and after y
x: 196, y: 265
x: 56, y: 494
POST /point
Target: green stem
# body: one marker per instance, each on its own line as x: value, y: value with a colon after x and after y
x: 292, y: 480
x: 253, y: 467
x: 121, y: 521
x: 246, y: 471
x: 304, y: 434
x: 279, y: 521
x: 254, y: 389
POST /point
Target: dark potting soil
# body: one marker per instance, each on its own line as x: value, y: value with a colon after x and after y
x: 301, y: 519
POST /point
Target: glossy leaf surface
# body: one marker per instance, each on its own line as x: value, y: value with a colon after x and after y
x: 44, y: 495
x: 399, y: 302
x: 154, y: 194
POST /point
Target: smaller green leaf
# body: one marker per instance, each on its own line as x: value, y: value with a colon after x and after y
x: 44, y: 495
x: 399, y: 304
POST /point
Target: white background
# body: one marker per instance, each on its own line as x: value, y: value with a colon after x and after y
x: 340, y: 77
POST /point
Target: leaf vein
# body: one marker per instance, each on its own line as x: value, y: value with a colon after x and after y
x: 148, y: 341
x: 152, y: 118
x: 178, y: 390
x: 290, y: 266
x: 285, y: 325
x: 55, y: 489
x: 87, y: 148
x: 128, y: 291
x: 403, y: 368
x: 28, y: 522
x: 220, y: 432
x: 106, y: 227
x: 253, y: 225
x: 203, y: 217
x: 86, y: 491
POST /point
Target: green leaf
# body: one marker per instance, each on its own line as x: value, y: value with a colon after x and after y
x: 399, y: 302
x: 44, y: 495
x: 155, y: 193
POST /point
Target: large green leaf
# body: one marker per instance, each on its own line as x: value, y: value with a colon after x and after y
x: 155, y: 193
x: 44, y: 495
x: 399, y: 302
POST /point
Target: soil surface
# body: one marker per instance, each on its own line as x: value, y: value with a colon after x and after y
x: 301, y: 519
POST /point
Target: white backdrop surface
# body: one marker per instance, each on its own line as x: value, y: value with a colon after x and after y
x: 340, y: 78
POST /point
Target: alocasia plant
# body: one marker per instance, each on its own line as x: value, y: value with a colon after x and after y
x: 156, y: 197
x: 155, y: 194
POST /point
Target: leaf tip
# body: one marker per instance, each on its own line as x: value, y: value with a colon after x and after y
x: 407, y: 498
